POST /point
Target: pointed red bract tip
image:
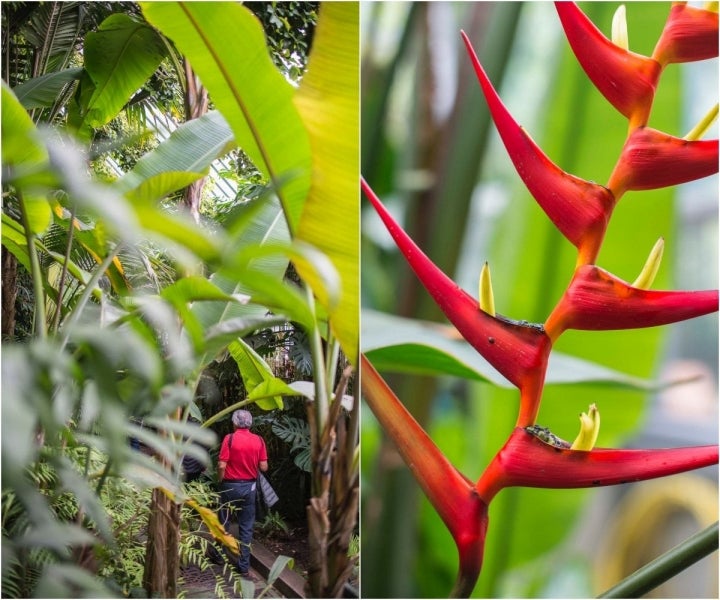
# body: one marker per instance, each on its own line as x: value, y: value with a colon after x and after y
x: 689, y: 34
x: 652, y: 159
x: 627, y: 80
x: 453, y: 496
x: 514, y: 348
x: 527, y: 461
x: 597, y: 300
x: 578, y: 208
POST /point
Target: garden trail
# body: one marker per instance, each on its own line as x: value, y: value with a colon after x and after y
x: 202, y: 583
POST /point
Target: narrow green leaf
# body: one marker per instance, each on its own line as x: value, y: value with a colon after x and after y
x: 43, y: 91
x: 193, y: 289
x: 328, y: 102
x: 14, y: 239
x: 277, y: 567
x: 181, y: 230
x: 245, y: 86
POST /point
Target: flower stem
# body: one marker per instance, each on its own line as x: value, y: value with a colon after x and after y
x: 666, y: 566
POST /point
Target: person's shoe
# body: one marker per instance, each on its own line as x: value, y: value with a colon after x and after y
x: 247, y: 575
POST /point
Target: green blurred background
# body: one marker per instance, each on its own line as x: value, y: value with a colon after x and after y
x: 431, y: 153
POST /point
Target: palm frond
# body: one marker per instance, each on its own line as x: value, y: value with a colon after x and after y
x: 54, y: 30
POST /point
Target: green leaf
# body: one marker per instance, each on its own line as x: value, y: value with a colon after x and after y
x: 119, y: 57
x: 161, y: 185
x: 254, y: 372
x: 43, y: 91
x: 327, y: 101
x: 193, y: 289
x: 20, y: 147
x: 411, y: 346
x: 13, y: 238
x: 267, y: 395
x: 190, y: 150
x: 277, y: 567
x: 266, y: 227
x: 246, y: 87
x: 180, y: 229
x: 221, y: 334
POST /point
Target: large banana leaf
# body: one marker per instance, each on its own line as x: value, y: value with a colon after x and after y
x: 225, y: 45
x: 119, y: 58
x: 258, y: 379
x: 328, y: 102
x: 24, y: 154
x: 185, y: 156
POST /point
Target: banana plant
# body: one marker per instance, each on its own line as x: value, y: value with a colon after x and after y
x: 593, y: 300
x: 143, y: 353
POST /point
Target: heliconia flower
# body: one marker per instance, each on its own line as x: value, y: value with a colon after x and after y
x: 597, y: 300
x: 626, y: 79
x: 580, y: 209
x: 452, y: 495
x: 517, y: 349
x: 651, y: 159
x: 527, y: 461
x: 689, y: 34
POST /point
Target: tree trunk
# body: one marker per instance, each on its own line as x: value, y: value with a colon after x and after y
x: 9, y: 293
x: 333, y: 509
x: 162, y: 552
x: 196, y: 105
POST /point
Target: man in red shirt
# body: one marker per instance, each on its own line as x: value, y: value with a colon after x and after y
x: 242, y: 455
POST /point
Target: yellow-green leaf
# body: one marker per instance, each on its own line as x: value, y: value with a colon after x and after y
x: 328, y: 102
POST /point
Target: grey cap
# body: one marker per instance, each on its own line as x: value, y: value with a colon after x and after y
x: 242, y: 419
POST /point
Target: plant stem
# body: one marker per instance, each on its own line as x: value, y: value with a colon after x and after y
x: 63, y: 275
x: 87, y: 292
x: 40, y: 322
x: 322, y: 395
x: 666, y: 566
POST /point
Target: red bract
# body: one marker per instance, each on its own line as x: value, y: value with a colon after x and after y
x: 580, y: 209
x: 627, y: 80
x: 651, y: 159
x: 528, y: 461
x: 513, y: 348
x: 452, y: 495
x: 597, y: 300
x: 689, y: 34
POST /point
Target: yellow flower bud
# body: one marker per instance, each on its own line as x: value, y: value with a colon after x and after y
x: 487, y: 301
x: 589, y: 429
x: 704, y: 124
x: 619, y: 28
x: 649, y: 271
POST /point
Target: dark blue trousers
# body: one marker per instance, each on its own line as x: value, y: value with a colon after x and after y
x: 239, y: 498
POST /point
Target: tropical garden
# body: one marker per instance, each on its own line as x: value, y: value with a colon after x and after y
x: 480, y: 153
x: 179, y: 239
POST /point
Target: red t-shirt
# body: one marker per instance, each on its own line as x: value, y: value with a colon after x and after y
x: 242, y: 451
